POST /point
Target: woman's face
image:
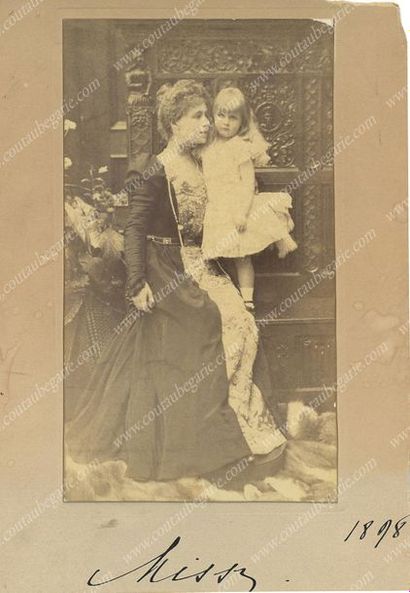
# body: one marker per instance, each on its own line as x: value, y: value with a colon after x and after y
x: 193, y: 127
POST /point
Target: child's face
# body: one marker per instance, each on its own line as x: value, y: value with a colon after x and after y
x: 227, y: 123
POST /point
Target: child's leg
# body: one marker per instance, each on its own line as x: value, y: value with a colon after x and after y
x: 246, y: 277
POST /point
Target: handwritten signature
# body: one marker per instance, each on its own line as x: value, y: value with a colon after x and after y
x: 154, y: 569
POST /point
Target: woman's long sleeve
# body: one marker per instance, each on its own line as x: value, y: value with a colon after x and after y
x: 141, y: 201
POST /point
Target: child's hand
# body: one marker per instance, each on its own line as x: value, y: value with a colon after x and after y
x: 241, y: 223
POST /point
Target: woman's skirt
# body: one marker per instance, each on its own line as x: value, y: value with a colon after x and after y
x: 172, y: 394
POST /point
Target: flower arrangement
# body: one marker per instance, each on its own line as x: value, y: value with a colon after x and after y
x: 94, y: 241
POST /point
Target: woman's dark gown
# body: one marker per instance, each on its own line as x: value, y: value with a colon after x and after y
x: 178, y: 391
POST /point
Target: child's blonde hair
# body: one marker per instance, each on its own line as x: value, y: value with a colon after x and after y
x: 231, y: 99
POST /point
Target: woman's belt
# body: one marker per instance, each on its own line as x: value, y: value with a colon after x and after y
x: 164, y: 240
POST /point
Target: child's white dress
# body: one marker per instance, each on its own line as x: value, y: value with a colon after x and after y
x: 268, y: 220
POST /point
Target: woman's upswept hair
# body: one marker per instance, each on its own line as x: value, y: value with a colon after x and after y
x: 173, y: 101
x: 231, y: 99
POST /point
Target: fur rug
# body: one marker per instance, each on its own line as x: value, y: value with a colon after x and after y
x: 308, y: 474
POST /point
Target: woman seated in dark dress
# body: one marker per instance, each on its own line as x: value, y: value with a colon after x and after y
x: 182, y: 390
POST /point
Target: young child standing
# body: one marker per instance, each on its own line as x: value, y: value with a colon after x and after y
x: 239, y: 221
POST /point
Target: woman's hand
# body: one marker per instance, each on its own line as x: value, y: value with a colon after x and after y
x: 144, y: 301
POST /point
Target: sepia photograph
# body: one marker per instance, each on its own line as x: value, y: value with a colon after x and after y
x: 200, y: 269
x: 204, y: 296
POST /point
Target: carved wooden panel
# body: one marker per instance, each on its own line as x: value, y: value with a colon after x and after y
x: 311, y: 120
x: 317, y: 355
x: 308, y: 51
x: 275, y: 105
x: 327, y: 121
x: 286, y: 71
x: 281, y: 356
x: 328, y: 216
x: 312, y: 244
x: 302, y: 358
x: 139, y: 110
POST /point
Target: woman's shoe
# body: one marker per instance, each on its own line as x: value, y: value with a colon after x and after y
x: 266, y: 466
x: 247, y: 470
x: 273, y: 455
x: 232, y: 476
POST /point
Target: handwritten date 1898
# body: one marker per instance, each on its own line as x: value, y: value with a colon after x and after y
x: 382, y: 531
